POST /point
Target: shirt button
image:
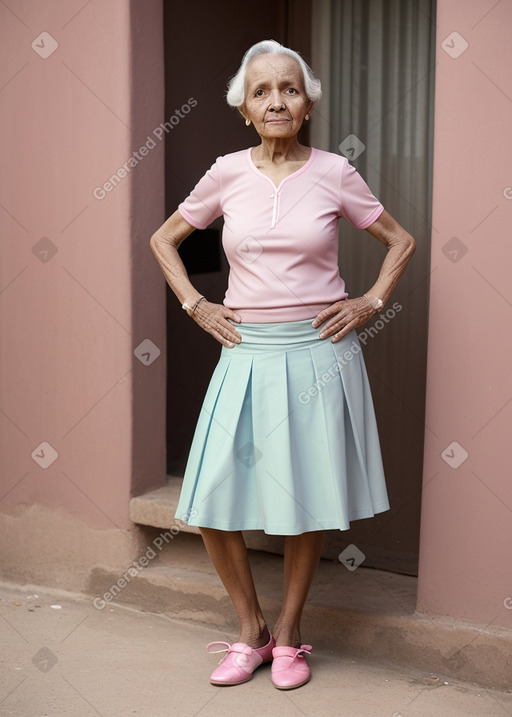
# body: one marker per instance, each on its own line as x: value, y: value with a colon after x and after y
x: 272, y: 196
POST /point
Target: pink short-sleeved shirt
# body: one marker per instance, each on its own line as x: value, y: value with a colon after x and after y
x: 281, y: 242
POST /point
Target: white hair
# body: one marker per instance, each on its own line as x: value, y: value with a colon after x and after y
x: 236, y: 86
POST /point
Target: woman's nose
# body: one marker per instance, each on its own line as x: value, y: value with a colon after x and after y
x: 276, y: 101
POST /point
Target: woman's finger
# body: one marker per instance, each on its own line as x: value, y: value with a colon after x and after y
x: 221, y: 334
x: 353, y: 314
x: 325, y: 313
x: 227, y: 330
x: 223, y: 340
x: 331, y: 328
x: 346, y: 330
x: 230, y: 328
x: 212, y: 318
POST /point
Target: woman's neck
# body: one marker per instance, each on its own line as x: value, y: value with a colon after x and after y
x: 277, y: 150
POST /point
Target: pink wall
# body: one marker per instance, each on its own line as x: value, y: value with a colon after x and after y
x: 73, y: 311
x: 466, y: 536
x: 79, y: 286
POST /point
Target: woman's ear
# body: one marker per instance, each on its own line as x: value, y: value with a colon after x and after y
x: 241, y: 109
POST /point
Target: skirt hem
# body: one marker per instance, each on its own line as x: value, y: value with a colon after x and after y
x: 290, y: 530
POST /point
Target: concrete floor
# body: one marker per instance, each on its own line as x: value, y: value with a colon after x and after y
x: 79, y: 660
x: 361, y: 613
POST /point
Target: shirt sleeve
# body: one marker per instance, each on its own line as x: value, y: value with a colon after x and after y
x: 358, y: 205
x: 203, y: 204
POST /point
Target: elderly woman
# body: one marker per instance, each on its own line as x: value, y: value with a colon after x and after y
x: 286, y: 441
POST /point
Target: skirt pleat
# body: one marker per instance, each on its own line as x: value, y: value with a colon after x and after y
x: 286, y: 441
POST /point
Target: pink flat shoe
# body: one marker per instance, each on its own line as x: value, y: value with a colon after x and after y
x: 240, y: 661
x: 289, y: 668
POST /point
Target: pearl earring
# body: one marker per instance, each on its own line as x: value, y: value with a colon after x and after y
x: 247, y: 122
x: 306, y: 117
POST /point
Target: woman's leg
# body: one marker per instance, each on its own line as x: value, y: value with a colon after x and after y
x: 228, y: 553
x: 301, y: 558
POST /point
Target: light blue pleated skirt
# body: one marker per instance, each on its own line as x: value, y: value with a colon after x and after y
x: 286, y: 441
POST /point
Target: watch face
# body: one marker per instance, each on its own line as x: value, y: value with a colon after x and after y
x: 379, y: 304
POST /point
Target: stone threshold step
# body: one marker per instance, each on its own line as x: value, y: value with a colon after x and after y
x: 156, y: 509
x: 363, y: 613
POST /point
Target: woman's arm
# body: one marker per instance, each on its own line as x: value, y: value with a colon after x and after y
x: 349, y: 314
x: 211, y: 317
x: 400, y: 245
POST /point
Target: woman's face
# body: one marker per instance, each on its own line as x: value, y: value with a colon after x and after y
x: 275, y: 98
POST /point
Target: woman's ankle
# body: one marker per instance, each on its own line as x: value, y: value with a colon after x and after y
x: 254, y: 635
x: 288, y: 636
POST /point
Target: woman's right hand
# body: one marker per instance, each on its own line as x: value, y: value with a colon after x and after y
x: 213, y: 318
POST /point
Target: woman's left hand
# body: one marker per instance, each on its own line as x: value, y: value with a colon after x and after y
x: 347, y: 315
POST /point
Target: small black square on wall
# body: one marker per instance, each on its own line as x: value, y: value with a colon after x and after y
x: 200, y: 252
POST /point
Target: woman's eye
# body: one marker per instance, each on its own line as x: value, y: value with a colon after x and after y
x: 292, y: 90
x: 259, y: 93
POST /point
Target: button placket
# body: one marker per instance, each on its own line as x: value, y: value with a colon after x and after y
x: 275, y: 210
